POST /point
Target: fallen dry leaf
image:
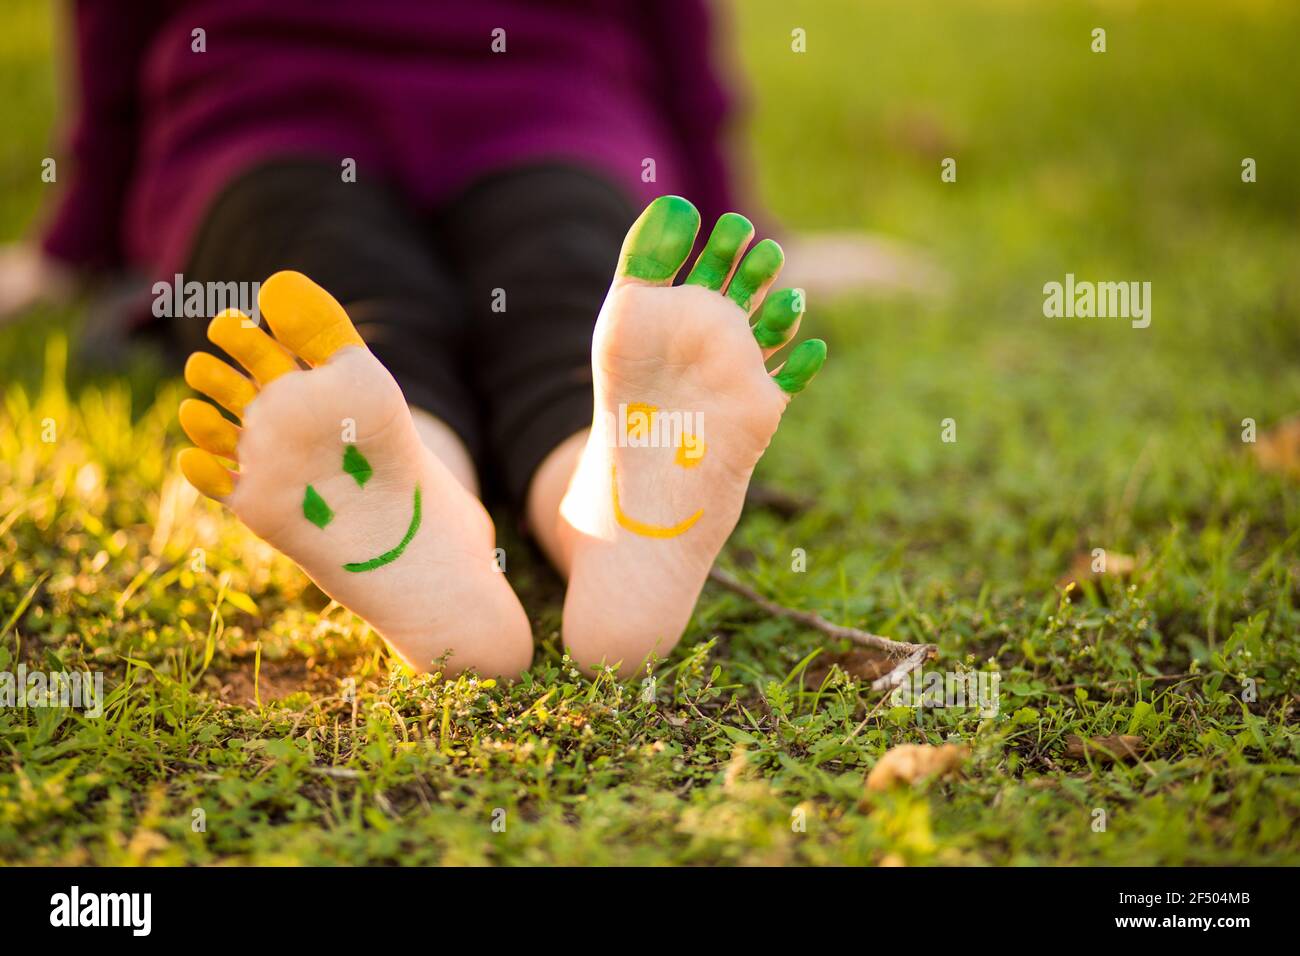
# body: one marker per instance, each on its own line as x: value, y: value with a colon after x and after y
x: 1122, y: 747
x: 908, y: 763
x: 863, y: 663
x: 1084, y: 568
x: 1278, y: 449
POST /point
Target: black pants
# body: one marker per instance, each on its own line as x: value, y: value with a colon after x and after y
x: 483, y: 312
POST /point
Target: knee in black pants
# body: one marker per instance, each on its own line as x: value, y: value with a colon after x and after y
x: 535, y: 251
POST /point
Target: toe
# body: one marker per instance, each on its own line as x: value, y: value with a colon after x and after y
x: 804, y: 362
x: 778, y: 320
x: 205, y: 473
x: 305, y: 318
x: 214, y: 378
x: 659, y: 241
x: 263, y: 357
x: 207, y: 429
x: 718, y: 259
x: 755, y: 275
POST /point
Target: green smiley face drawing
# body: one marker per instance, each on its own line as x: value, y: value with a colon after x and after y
x: 320, y: 514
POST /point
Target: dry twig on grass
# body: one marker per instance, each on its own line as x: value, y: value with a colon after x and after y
x: 909, y: 656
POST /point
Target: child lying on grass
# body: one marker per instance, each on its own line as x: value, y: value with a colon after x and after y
x: 375, y: 501
x: 443, y: 299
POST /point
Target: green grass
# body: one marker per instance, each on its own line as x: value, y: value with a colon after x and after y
x: 1072, y: 435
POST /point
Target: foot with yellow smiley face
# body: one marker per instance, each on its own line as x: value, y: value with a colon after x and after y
x: 685, y: 406
x: 328, y: 466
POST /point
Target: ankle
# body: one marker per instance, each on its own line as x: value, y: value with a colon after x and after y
x: 546, y: 493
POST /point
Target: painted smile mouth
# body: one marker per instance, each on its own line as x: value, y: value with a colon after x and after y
x: 388, y: 557
x: 641, y: 527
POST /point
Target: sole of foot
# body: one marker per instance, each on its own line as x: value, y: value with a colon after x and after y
x: 327, y: 466
x: 684, y: 408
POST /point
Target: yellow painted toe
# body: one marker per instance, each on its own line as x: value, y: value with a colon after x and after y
x: 205, y: 473
x: 207, y: 429
x: 263, y: 357
x: 305, y: 318
x: 214, y: 378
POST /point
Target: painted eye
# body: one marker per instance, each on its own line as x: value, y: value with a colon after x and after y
x: 690, y: 452
x: 314, y: 507
x: 355, y: 464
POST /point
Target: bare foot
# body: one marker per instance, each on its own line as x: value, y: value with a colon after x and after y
x: 684, y: 409
x: 332, y: 472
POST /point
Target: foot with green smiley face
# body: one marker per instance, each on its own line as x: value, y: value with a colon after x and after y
x: 685, y: 406
x: 327, y: 465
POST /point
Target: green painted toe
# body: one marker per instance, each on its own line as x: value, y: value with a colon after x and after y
x: 804, y: 362
x: 727, y: 241
x: 757, y: 269
x: 780, y: 311
x: 660, y: 240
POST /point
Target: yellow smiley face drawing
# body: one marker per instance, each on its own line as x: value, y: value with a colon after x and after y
x: 641, y: 420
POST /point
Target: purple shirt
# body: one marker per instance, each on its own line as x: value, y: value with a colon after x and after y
x: 409, y: 89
